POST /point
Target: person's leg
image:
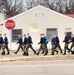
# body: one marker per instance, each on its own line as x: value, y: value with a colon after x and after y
x: 3, y: 49
x: 7, y: 49
x: 32, y: 49
x: 45, y: 49
x: 71, y: 46
x: 60, y: 49
x: 0, y: 46
x: 17, y: 49
x: 22, y: 48
x: 69, y: 50
x: 55, y: 47
x: 65, y: 47
x: 39, y: 50
x: 24, y: 53
x: 26, y: 49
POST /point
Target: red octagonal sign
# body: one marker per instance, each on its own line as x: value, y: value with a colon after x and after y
x: 9, y: 24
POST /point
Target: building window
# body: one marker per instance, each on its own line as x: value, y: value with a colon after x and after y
x: 33, y: 27
x: 39, y: 14
x: 15, y: 34
x: 50, y: 32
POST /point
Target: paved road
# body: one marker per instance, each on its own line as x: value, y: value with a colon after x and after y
x: 59, y: 67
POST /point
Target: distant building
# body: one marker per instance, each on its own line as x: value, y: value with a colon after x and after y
x: 39, y: 20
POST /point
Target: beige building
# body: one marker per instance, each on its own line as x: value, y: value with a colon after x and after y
x: 1, y: 20
x: 1, y: 17
x: 39, y: 20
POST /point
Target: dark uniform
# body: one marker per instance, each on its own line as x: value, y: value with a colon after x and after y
x: 66, y: 40
x: 6, y: 45
x: 53, y: 43
x: 26, y: 46
x: 20, y: 46
x: 42, y: 46
x: 1, y: 42
x: 57, y: 45
x: 30, y: 44
x: 1, y: 45
x: 72, y: 40
x: 46, y: 42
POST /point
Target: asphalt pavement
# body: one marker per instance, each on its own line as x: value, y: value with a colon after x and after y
x: 52, y: 67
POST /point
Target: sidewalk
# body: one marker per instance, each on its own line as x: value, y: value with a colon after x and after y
x: 33, y: 57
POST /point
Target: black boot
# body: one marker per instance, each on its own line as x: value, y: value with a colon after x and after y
x: 34, y: 52
x: 8, y: 53
x: 57, y: 52
x: 64, y: 53
x: 15, y: 52
x: 37, y: 53
x: 52, y: 53
x: 45, y: 54
x: 3, y: 53
x: 42, y: 52
x: 27, y: 54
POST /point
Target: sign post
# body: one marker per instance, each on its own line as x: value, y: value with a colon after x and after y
x: 10, y: 24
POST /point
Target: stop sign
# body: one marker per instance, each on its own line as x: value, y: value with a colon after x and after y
x: 9, y: 24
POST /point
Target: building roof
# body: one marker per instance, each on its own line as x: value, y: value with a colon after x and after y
x: 70, y: 15
x: 52, y: 11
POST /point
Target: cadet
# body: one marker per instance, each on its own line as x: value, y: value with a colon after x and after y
x: 72, y: 40
x: 42, y: 44
x: 1, y: 44
x: 57, y: 43
x: 66, y: 40
x: 29, y: 38
x: 25, y: 45
x: 46, y: 42
x: 1, y: 41
x: 20, y: 45
x: 53, y: 43
x: 6, y: 45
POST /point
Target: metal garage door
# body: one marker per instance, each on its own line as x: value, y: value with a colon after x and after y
x: 50, y: 32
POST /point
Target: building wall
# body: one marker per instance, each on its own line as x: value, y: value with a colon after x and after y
x: 50, y: 20
x: 1, y: 17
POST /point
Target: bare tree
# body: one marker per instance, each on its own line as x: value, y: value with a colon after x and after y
x: 33, y: 3
x: 62, y: 6
x: 11, y: 7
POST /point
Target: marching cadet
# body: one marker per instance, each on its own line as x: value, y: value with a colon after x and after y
x: 58, y: 43
x: 5, y: 44
x: 72, y: 41
x: 20, y: 45
x: 53, y: 43
x: 1, y: 41
x: 46, y: 42
x: 42, y: 44
x: 66, y: 40
x: 1, y: 44
x: 25, y: 45
x: 29, y: 39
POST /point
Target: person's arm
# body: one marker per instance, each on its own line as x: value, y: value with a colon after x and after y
x: 31, y: 40
x: 18, y: 41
